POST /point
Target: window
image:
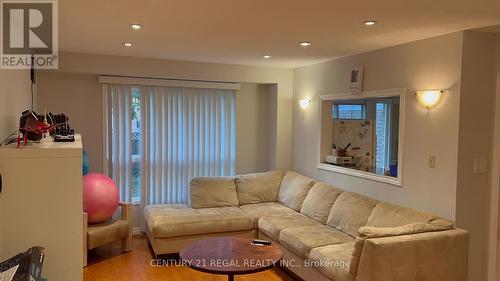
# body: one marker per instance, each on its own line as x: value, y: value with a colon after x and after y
x: 160, y: 137
x: 136, y: 145
x: 360, y: 135
x: 349, y: 111
x: 382, y: 128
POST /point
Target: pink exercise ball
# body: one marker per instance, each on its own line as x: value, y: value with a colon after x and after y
x: 100, y: 197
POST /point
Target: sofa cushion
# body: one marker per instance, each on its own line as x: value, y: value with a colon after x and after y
x: 105, y: 233
x: 350, y: 212
x: 273, y: 225
x: 211, y: 192
x: 301, y: 240
x: 175, y: 220
x: 293, y: 190
x: 412, y: 228
x: 389, y: 215
x: 319, y: 201
x: 333, y: 261
x: 255, y: 211
x: 258, y: 187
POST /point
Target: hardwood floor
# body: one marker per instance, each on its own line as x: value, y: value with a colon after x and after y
x: 108, y: 263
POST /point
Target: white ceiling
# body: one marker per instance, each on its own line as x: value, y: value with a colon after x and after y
x: 241, y: 31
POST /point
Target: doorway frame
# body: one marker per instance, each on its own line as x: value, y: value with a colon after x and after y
x: 495, y: 186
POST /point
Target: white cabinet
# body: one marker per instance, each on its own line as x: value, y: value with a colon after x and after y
x: 41, y: 204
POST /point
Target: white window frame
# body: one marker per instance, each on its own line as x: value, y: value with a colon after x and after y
x: 337, y: 105
x: 396, y: 92
x: 388, y: 131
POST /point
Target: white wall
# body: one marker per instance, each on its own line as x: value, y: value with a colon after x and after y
x: 494, y: 262
x: 426, y: 64
x: 15, y: 97
x: 475, y: 134
x: 253, y: 128
x: 79, y: 97
x: 494, y: 258
x: 497, y: 112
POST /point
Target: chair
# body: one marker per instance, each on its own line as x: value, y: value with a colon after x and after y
x: 95, y: 235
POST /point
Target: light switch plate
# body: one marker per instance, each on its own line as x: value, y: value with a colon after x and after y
x: 431, y: 161
x: 480, y: 166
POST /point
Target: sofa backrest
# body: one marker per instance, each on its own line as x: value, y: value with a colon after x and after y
x: 389, y: 215
x: 211, y: 192
x: 319, y: 201
x: 293, y: 190
x: 350, y: 212
x: 258, y: 187
x: 345, y: 211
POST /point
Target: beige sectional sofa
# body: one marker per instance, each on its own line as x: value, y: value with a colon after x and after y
x: 325, y: 233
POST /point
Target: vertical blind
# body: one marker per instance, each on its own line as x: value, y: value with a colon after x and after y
x: 185, y: 132
x: 118, y: 150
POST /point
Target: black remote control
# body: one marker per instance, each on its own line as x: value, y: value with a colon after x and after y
x: 261, y: 242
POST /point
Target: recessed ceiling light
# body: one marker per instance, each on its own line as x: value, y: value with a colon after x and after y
x: 127, y: 44
x: 266, y: 56
x: 370, y: 22
x: 135, y: 26
x: 305, y: 44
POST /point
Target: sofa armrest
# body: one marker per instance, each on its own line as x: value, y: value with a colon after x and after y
x: 126, y: 215
x: 212, y: 192
x: 440, y: 255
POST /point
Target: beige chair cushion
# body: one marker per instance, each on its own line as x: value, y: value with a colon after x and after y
x: 255, y: 211
x: 179, y: 220
x: 389, y: 215
x: 333, y: 261
x: 105, y: 233
x: 294, y: 189
x: 350, y: 212
x: 259, y: 187
x: 301, y: 240
x: 211, y: 192
x: 319, y: 201
x: 273, y: 225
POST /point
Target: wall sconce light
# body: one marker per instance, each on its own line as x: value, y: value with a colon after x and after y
x: 429, y: 98
x: 304, y: 103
